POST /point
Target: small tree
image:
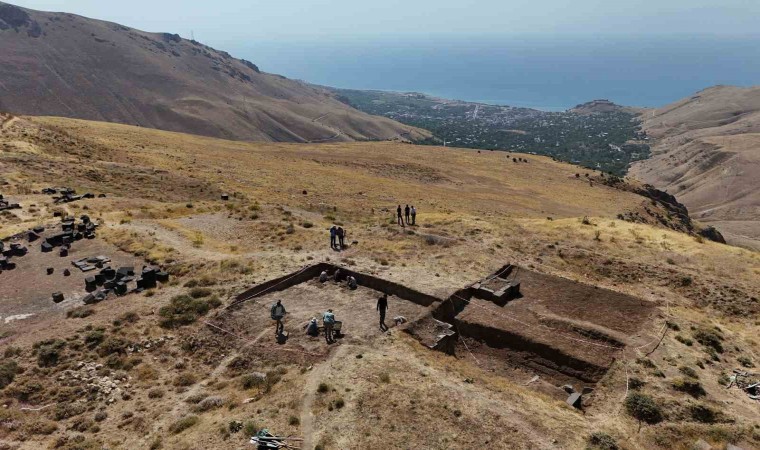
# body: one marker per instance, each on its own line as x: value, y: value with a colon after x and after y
x: 643, y: 408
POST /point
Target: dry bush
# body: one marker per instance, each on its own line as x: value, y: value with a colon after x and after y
x: 183, y: 424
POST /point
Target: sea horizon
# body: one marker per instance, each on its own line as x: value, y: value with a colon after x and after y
x: 546, y: 73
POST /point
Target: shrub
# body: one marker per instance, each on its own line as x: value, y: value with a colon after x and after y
x: 294, y: 421
x: 340, y: 403
x: 602, y: 441
x: 209, y: 403
x: 307, y: 224
x: 643, y: 408
x: 691, y: 387
x: 323, y: 388
x: 184, y: 379
x: 636, y: 383
x: 385, y: 378
x: 200, y: 292
x: 8, y: 370
x: 646, y: 362
x: 49, y: 352
x: 684, y: 340
x: 688, y: 371
x: 250, y: 428
x: 26, y: 391
x: 195, y: 398
x: 93, y: 338
x: 64, y: 411
x: 709, y: 337
x: 129, y: 317
x: 12, y: 351
x: 184, y: 310
x: 156, y: 393
x: 41, y: 427
x: 80, y: 312
x: 703, y: 413
x: 112, y: 345
x: 672, y: 325
x: 745, y: 361
x: 183, y: 424
x: 250, y: 381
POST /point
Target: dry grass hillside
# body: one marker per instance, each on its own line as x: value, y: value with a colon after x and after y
x: 145, y: 370
x: 66, y: 65
x: 707, y: 153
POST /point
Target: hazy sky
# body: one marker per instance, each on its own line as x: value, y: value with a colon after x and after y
x: 223, y: 21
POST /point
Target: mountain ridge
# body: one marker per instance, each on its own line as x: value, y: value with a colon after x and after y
x: 61, y: 64
x: 705, y: 153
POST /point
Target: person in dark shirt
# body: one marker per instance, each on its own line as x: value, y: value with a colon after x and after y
x: 333, y: 234
x: 278, y: 313
x: 341, y: 234
x: 400, y: 217
x: 382, y: 307
x: 406, y: 215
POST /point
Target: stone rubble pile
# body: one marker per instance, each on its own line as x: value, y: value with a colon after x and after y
x: 149, y: 344
x: 107, y: 388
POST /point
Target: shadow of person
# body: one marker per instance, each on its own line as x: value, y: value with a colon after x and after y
x: 282, y: 338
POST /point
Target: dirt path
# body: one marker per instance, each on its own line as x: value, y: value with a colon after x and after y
x: 173, y: 239
x: 310, y: 392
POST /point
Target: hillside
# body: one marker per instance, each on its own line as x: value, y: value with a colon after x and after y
x: 707, y: 153
x: 640, y: 318
x: 65, y: 65
x: 602, y: 106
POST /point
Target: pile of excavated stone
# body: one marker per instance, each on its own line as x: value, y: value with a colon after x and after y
x: 106, y: 388
x: 5, y: 204
x: 149, y: 344
x: 70, y: 231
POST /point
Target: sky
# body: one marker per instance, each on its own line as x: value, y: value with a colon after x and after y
x: 221, y: 22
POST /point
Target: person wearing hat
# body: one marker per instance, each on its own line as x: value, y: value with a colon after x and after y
x: 312, y: 329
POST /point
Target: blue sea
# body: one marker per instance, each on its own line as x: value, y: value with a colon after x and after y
x: 538, y: 72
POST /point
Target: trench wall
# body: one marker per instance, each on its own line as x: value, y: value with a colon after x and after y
x: 540, y: 356
x: 310, y: 272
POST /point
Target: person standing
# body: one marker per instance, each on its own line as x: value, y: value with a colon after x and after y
x: 328, y: 320
x: 333, y: 234
x: 278, y: 313
x: 341, y: 233
x: 400, y: 217
x: 406, y: 214
x: 414, y: 216
x: 382, y: 307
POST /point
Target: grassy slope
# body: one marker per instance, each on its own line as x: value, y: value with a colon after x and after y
x: 478, y: 210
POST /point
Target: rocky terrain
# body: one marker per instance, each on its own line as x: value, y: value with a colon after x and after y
x: 61, y: 64
x: 706, y: 154
x: 660, y: 321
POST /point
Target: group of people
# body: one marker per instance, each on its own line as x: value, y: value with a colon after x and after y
x: 410, y: 214
x: 328, y: 322
x: 337, y: 238
x: 328, y: 318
